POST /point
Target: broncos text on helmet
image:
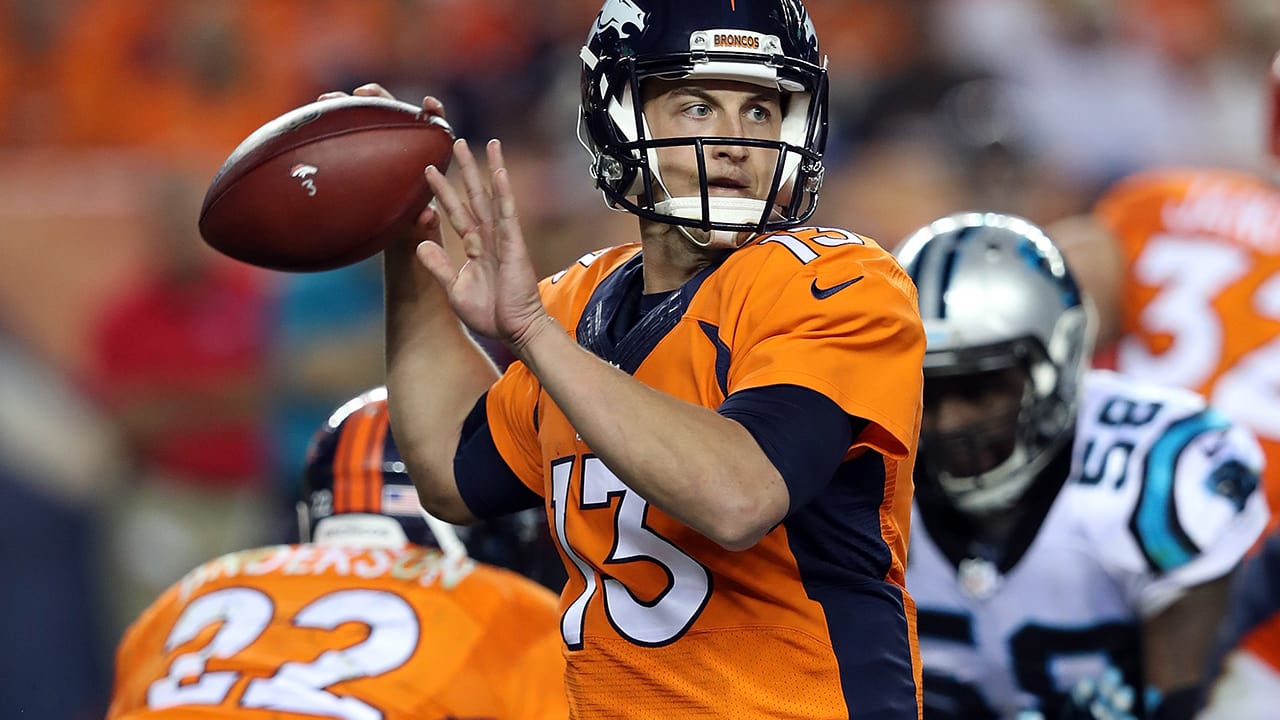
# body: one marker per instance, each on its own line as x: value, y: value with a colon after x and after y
x: 769, y: 43
x: 995, y: 294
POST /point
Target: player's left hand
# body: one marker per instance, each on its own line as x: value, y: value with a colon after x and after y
x: 1107, y: 697
x: 495, y: 292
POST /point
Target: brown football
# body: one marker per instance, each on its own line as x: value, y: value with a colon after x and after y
x: 325, y: 185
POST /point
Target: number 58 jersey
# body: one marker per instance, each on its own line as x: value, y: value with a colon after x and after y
x: 1161, y: 495
x: 301, y: 632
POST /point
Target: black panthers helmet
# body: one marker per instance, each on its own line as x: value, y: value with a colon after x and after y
x: 771, y: 43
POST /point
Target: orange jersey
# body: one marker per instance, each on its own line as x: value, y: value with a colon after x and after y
x: 812, y: 622
x: 1201, y: 294
x: 300, y: 632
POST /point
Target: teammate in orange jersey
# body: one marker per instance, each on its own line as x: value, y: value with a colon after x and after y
x: 720, y: 420
x: 378, y: 614
x: 1196, y: 284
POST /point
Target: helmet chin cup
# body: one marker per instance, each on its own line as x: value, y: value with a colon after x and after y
x: 730, y: 210
x: 721, y: 210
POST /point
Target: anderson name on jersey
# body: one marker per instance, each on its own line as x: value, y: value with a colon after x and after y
x: 1160, y: 495
x: 296, y: 632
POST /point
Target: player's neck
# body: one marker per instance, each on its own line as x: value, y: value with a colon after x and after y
x: 669, y: 258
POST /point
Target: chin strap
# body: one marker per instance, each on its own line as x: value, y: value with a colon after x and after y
x: 739, y: 211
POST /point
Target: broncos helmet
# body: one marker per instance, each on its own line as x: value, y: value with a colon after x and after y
x: 995, y: 294
x: 355, y: 488
x: 771, y: 43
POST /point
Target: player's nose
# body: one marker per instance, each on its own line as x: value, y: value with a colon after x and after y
x: 947, y: 413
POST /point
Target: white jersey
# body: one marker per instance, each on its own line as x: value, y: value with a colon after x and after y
x: 1161, y: 495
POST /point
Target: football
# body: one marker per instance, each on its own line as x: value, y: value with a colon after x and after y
x: 325, y: 185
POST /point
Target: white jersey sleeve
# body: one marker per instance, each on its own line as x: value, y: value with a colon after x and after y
x: 1186, y: 477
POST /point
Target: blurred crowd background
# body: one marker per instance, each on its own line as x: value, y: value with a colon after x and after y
x: 156, y: 399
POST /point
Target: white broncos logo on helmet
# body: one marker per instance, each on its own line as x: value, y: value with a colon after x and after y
x: 617, y: 14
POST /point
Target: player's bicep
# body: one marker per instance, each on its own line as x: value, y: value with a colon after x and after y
x: 487, y: 484
x: 804, y: 434
x: 510, y: 411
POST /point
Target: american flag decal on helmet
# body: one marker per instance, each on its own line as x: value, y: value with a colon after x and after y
x: 400, y: 500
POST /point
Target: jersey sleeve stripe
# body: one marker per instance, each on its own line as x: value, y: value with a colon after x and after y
x: 1155, y: 520
x: 722, y: 355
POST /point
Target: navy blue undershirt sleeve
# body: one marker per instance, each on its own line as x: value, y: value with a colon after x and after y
x: 487, y: 484
x: 804, y: 434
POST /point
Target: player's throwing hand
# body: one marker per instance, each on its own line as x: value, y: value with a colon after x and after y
x: 495, y: 292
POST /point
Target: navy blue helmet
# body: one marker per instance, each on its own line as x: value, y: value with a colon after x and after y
x: 355, y: 486
x: 357, y: 490
x: 770, y: 43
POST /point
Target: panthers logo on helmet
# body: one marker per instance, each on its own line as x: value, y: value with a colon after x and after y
x: 617, y: 14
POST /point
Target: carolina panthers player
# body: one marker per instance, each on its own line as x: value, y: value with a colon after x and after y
x: 719, y: 420
x: 378, y: 613
x: 1245, y: 679
x: 1067, y: 523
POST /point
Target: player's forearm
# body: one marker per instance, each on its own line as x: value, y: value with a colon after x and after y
x: 1177, y: 642
x: 435, y: 374
x: 696, y: 465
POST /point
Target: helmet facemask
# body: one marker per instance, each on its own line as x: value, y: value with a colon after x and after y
x: 616, y: 133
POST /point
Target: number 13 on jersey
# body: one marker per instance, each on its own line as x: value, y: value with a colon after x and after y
x: 642, y: 612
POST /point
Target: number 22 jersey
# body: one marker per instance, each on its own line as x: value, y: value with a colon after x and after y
x: 813, y: 621
x: 301, y: 632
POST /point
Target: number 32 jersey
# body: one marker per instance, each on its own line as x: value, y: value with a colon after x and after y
x: 1161, y: 496
x: 301, y: 632
x: 813, y: 621
x: 1201, y: 293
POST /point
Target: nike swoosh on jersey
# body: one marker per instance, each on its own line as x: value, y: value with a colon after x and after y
x: 824, y: 293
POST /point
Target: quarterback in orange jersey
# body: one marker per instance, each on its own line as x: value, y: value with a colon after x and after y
x: 380, y: 615
x: 720, y: 420
x: 1198, y: 289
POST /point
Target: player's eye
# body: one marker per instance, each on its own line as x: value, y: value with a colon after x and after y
x: 698, y: 110
x: 759, y: 114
